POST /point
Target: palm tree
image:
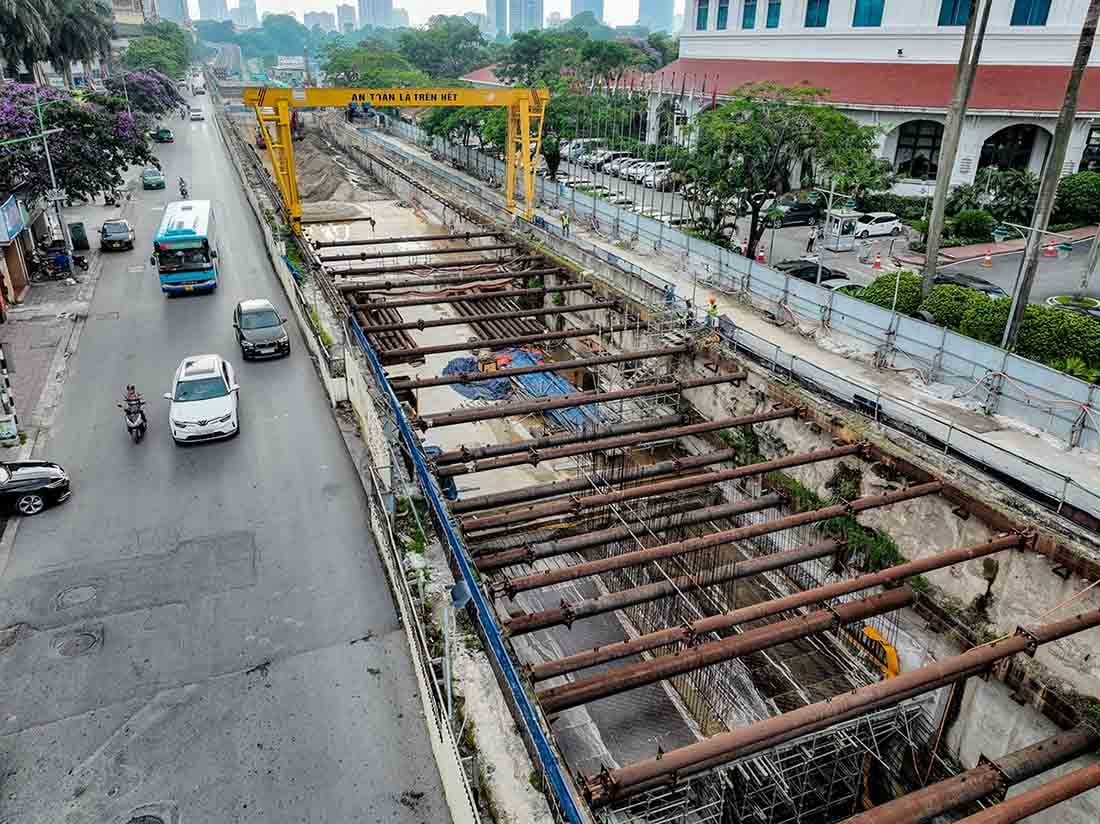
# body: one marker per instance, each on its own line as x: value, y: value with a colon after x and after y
x: 78, y: 31
x: 24, y: 33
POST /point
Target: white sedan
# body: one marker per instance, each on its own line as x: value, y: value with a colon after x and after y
x: 203, y: 400
x: 875, y: 224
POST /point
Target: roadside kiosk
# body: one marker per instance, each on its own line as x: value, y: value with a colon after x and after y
x: 840, y: 230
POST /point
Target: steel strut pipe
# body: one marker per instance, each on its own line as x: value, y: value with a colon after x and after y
x: 449, y: 266
x: 466, y: 454
x: 505, y: 410
x: 527, y: 554
x: 419, y: 252
x: 987, y: 778
x: 442, y: 280
x: 566, y: 614
x: 397, y: 355
x: 548, y: 366
x: 639, y: 557
x: 433, y: 300
x: 577, y: 505
x: 639, y: 674
x: 1038, y: 799
x: 489, y: 316
x: 329, y: 244
x: 766, y: 609
x: 534, y: 456
x: 610, y: 785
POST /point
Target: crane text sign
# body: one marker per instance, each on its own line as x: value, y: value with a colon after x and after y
x: 406, y: 98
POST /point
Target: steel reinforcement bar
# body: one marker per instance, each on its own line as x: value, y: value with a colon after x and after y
x: 566, y: 614
x: 329, y: 244
x: 504, y: 410
x: 638, y: 557
x: 398, y: 355
x: 488, y: 316
x: 433, y: 300
x: 450, y: 265
x: 609, y: 785
x: 534, y: 456
x: 765, y: 609
x: 1043, y: 797
x: 418, y: 253
x: 577, y: 505
x: 631, y: 676
x: 441, y: 280
x: 985, y: 779
x: 546, y: 549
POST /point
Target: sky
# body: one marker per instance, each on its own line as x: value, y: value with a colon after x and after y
x: 616, y: 12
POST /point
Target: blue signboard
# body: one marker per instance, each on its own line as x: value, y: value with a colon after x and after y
x: 11, y: 220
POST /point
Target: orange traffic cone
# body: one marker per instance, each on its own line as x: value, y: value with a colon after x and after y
x: 878, y: 263
x: 987, y: 261
x: 760, y: 258
x: 1050, y: 250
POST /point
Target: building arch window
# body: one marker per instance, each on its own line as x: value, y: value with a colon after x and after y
x: 723, y: 18
x: 1014, y: 147
x: 917, y: 156
x: 817, y: 14
x: 955, y: 12
x: 774, y: 8
x: 868, y: 13
x: 1030, y: 12
x: 702, y: 12
x: 748, y: 14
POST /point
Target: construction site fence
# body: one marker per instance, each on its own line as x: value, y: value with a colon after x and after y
x: 991, y: 379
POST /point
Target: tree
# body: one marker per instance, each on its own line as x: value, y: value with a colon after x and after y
x: 150, y: 91
x: 608, y: 60
x: 367, y: 65
x: 666, y: 46
x: 448, y: 47
x: 79, y: 31
x: 586, y: 22
x: 540, y: 58
x: 216, y: 31
x: 24, y: 33
x: 152, y: 53
x: 90, y: 152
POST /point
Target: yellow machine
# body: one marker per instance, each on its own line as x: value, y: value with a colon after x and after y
x: 526, y: 108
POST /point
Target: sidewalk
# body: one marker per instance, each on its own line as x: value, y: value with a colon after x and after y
x: 976, y: 251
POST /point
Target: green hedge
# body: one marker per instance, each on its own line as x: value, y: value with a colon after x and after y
x: 948, y: 303
x: 973, y: 224
x: 907, y: 208
x: 1078, y: 200
x: 881, y: 292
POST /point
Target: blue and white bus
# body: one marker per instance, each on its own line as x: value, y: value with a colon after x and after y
x: 185, y: 251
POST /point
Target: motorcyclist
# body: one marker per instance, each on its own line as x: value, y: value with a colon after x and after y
x: 133, y: 402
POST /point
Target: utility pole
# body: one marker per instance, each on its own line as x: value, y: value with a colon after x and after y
x: 1052, y: 175
x: 969, y: 56
x: 54, y: 194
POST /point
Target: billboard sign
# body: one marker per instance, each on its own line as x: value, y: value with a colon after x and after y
x: 11, y: 220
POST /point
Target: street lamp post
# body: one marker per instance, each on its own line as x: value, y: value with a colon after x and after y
x: 54, y: 194
x: 1030, y: 232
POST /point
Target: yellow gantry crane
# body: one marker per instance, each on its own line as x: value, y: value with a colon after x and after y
x: 526, y: 110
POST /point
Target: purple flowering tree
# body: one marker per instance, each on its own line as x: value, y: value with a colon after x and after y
x: 95, y: 145
x: 149, y: 91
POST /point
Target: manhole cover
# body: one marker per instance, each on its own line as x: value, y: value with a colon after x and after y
x: 73, y: 644
x: 146, y: 819
x: 75, y: 596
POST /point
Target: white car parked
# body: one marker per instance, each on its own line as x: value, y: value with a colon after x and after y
x: 874, y: 224
x: 204, y: 403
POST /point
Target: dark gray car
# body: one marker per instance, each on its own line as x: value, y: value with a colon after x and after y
x: 261, y: 331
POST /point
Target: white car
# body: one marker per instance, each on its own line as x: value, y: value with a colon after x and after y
x: 874, y: 224
x: 196, y: 114
x: 203, y: 400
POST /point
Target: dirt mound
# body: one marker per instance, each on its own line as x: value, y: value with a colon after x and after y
x: 324, y: 175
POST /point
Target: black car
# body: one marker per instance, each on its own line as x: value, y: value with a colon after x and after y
x: 970, y: 282
x: 261, y: 331
x: 116, y: 234
x: 807, y: 270
x: 796, y: 213
x: 28, y: 487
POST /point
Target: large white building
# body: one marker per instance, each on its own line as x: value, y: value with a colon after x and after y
x: 892, y: 63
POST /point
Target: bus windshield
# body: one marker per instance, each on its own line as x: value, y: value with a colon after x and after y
x: 182, y: 260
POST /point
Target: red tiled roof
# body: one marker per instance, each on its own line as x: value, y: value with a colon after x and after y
x: 904, y: 85
x: 483, y: 75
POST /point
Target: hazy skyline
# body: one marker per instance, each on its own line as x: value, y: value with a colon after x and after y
x: 616, y: 12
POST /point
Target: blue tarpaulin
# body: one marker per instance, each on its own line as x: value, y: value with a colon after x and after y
x: 493, y: 390
x: 551, y: 385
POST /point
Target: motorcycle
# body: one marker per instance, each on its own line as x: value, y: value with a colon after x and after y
x: 134, y: 414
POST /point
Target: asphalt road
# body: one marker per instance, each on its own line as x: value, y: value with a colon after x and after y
x: 1055, y: 276
x: 203, y: 633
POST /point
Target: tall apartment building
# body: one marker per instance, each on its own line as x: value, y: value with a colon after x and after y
x: 345, y: 18
x: 581, y: 6
x: 325, y: 20
x: 174, y: 10
x: 891, y: 63
x: 497, y: 12
x: 656, y: 15
x: 524, y: 15
x: 378, y: 13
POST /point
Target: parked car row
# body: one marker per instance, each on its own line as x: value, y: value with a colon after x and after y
x: 655, y: 174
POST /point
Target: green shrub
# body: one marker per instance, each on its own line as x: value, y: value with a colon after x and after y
x: 1078, y: 199
x: 1077, y: 368
x: 1049, y: 334
x: 947, y: 303
x: 985, y: 318
x: 907, y: 208
x: 881, y: 292
x: 974, y: 224
x: 964, y: 198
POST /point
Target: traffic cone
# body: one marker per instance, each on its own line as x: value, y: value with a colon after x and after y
x: 987, y: 261
x: 878, y: 262
x: 760, y: 255
x: 1050, y: 250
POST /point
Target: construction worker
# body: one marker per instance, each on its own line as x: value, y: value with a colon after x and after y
x: 565, y: 224
x: 712, y: 312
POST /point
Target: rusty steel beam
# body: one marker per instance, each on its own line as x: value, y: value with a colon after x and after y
x: 504, y: 410
x: 397, y: 355
x: 987, y: 778
x: 548, y: 366
x: 448, y: 266
x: 547, y: 549
x: 419, y: 252
x: 566, y: 613
x: 433, y: 300
x: 639, y: 674
x: 488, y: 316
x: 1040, y: 798
x: 765, y: 609
x: 442, y: 280
x: 639, y: 557
x: 577, y: 505
x: 466, y: 454
x: 608, y: 786
x: 328, y: 244
x: 534, y: 456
